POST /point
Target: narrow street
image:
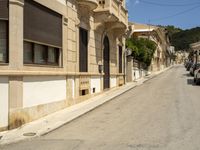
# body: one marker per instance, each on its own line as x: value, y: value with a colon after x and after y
x: 161, y: 114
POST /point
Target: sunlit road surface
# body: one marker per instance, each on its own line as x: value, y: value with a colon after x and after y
x: 161, y: 114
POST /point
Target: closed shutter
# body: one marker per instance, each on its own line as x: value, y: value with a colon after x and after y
x: 4, y: 9
x: 42, y: 24
x: 120, y: 59
x: 83, y: 50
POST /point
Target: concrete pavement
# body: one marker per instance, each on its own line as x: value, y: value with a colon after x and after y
x: 58, y: 119
x: 162, y: 114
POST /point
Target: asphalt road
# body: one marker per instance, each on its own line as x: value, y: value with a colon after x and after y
x: 161, y: 114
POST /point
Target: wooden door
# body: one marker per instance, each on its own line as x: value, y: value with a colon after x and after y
x: 106, y: 60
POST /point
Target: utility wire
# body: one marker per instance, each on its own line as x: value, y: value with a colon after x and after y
x: 177, y: 14
x: 169, y: 5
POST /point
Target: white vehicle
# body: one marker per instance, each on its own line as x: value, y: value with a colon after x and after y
x: 197, y: 76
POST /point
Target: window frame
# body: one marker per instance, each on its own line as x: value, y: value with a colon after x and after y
x: 57, y: 50
x: 6, y: 61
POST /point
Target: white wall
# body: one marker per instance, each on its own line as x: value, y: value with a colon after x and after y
x: 71, y: 87
x: 136, y: 74
x: 162, y: 67
x: 43, y: 89
x: 4, y: 101
x: 95, y: 82
x: 113, y: 82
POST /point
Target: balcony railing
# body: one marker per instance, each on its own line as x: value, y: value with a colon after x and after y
x: 115, y: 8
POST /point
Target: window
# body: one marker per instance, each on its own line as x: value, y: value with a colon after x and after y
x: 120, y: 59
x: 4, y: 9
x: 41, y: 25
x: 40, y: 54
x: 83, y: 50
x: 3, y: 41
x: 28, y: 52
x: 4, y: 31
x: 53, y: 55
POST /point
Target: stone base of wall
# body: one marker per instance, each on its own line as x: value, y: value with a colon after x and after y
x: 24, y: 113
x: 19, y: 117
x: 3, y: 129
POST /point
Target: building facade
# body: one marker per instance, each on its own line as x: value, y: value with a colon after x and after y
x: 57, y: 53
x: 195, y: 50
x: 161, y: 55
x: 158, y: 35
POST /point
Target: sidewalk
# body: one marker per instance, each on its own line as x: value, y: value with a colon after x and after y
x: 60, y: 118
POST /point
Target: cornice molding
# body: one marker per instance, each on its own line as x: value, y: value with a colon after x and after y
x: 17, y: 2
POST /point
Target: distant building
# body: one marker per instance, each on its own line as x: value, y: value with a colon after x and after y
x: 181, y: 56
x: 159, y: 36
x: 195, y: 50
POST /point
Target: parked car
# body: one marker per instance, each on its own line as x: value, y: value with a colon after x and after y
x: 189, y: 65
x: 186, y: 63
x: 194, y: 67
x: 197, y: 76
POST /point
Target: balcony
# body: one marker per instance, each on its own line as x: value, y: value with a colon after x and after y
x: 91, y: 4
x: 112, y: 13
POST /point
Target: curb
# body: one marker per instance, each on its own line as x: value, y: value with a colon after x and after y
x: 58, y: 119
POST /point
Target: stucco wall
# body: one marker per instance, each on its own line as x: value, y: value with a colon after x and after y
x: 70, y: 87
x: 43, y: 90
x: 95, y: 83
x: 3, y: 101
x: 72, y: 39
x: 136, y: 74
x: 113, y: 81
x: 62, y: 2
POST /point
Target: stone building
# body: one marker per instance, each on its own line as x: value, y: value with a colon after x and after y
x: 160, y: 59
x: 195, y: 50
x: 57, y: 53
x: 158, y: 35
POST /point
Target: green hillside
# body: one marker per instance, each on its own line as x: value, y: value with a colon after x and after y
x: 181, y: 39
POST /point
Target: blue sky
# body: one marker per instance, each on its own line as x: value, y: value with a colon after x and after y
x: 186, y: 13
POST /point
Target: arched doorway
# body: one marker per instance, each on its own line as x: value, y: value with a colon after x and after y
x: 106, y: 63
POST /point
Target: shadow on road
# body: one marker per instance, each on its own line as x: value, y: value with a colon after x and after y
x: 190, y: 82
x: 187, y: 75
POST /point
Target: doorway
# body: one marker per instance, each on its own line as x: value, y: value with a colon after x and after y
x: 106, y: 63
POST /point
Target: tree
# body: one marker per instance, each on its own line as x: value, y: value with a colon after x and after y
x: 142, y: 49
x: 182, y: 39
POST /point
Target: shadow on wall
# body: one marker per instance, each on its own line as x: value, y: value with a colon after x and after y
x: 98, y: 40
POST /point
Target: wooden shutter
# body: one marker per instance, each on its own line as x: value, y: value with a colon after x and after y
x: 42, y: 24
x: 83, y: 50
x: 4, y: 9
x: 120, y: 59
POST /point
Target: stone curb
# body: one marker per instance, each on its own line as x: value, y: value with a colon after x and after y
x: 53, y: 121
